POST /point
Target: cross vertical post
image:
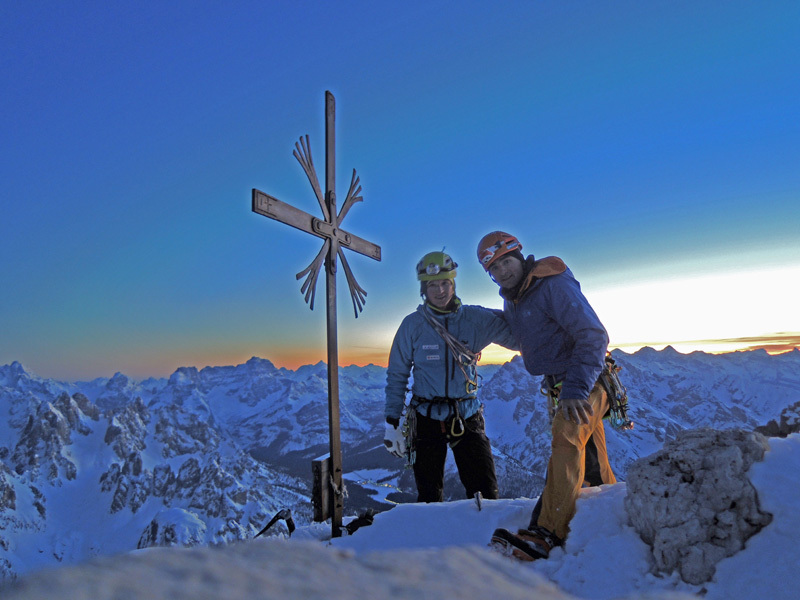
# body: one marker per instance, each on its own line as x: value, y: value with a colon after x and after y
x: 335, y: 239
x: 337, y: 498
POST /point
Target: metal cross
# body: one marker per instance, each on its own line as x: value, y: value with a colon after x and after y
x: 327, y: 228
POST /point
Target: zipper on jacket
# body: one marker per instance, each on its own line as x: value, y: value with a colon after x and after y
x: 446, y: 362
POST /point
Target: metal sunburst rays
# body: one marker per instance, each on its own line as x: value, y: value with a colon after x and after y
x: 358, y: 295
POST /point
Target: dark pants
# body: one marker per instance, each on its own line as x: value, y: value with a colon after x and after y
x: 472, y: 452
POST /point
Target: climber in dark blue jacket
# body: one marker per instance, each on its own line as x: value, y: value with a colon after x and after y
x: 560, y: 337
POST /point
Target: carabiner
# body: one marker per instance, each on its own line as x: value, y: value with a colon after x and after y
x: 460, y: 421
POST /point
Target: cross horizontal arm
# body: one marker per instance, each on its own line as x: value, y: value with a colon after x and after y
x: 266, y: 205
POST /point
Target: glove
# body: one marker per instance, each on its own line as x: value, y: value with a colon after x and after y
x: 394, y: 439
x: 581, y: 410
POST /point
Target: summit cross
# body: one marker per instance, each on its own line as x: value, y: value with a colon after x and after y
x: 335, y: 239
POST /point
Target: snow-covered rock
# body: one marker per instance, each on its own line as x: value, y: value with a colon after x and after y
x: 787, y: 424
x: 693, y: 502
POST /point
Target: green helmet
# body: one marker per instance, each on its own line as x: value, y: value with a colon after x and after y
x: 435, y: 266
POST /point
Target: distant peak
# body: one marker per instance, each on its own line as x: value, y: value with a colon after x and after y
x: 646, y: 351
x: 260, y: 364
x: 16, y: 367
x: 184, y: 376
x: 11, y: 374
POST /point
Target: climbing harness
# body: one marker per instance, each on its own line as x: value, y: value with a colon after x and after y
x: 453, y: 427
x: 617, y: 414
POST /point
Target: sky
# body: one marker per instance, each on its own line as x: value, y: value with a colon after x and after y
x: 652, y: 146
x: 420, y: 550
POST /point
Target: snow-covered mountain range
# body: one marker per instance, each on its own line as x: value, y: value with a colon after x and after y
x: 102, y: 467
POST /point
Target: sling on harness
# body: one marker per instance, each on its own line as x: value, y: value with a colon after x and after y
x: 453, y: 428
x: 617, y: 414
x: 465, y: 358
x: 617, y: 395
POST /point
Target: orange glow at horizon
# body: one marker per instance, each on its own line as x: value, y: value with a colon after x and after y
x: 162, y: 365
x: 775, y: 343
x: 294, y: 358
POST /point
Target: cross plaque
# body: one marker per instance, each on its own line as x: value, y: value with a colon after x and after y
x: 335, y: 239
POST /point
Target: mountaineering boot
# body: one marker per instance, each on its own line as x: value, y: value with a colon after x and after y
x: 527, y: 544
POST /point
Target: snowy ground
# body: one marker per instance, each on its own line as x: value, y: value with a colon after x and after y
x: 439, y: 551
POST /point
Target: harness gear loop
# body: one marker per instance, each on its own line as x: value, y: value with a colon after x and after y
x: 410, y: 433
x: 617, y: 395
x: 617, y: 414
x: 552, y: 389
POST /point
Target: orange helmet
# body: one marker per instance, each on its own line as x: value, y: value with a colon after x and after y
x: 494, y: 245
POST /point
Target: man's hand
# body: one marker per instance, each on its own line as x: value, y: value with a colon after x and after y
x: 575, y: 410
x: 394, y: 439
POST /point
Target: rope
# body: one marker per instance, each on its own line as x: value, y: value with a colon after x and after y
x: 339, y: 491
x: 463, y: 355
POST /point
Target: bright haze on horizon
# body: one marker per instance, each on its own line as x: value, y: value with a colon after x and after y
x: 653, y: 146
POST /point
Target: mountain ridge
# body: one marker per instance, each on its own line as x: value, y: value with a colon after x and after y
x: 207, y: 456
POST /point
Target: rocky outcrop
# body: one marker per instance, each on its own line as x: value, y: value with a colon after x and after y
x: 692, y: 501
x: 173, y: 527
x: 787, y: 424
x: 127, y: 429
x: 42, y: 440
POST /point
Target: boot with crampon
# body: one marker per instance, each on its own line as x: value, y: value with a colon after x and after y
x: 526, y: 545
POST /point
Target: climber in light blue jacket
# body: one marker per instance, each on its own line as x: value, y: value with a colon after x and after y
x: 437, y: 346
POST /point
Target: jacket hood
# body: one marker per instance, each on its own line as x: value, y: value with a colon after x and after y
x: 534, y: 269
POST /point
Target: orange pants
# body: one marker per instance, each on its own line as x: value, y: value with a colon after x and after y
x: 565, y: 471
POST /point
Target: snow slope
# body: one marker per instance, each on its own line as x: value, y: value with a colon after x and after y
x: 438, y: 551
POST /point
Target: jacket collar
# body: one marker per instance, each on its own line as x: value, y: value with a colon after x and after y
x: 452, y: 307
x: 532, y: 270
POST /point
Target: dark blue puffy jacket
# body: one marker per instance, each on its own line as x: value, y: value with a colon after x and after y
x: 558, y: 332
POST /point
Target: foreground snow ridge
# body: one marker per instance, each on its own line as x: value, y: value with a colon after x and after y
x: 302, y: 570
x: 438, y: 551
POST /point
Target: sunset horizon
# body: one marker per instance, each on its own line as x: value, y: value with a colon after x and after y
x: 652, y: 146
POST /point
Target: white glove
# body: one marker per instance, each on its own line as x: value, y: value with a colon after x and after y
x: 394, y: 440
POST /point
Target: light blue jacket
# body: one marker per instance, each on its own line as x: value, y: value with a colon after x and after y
x: 419, y: 350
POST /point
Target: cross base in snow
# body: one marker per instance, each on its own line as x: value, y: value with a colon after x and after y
x: 321, y: 496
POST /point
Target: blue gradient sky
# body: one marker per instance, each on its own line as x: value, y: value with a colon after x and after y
x: 654, y: 146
